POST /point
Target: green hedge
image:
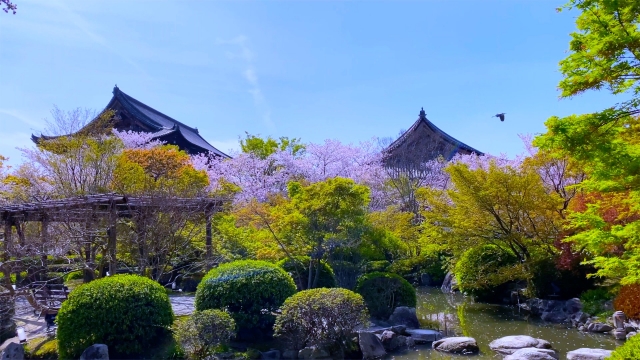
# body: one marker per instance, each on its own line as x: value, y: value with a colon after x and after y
x: 482, y: 271
x: 125, y: 312
x: 246, y: 288
x: 201, y: 333
x: 383, y: 292
x: 298, y: 268
x: 630, y: 350
x: 321, y: 317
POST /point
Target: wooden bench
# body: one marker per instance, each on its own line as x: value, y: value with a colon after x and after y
x: 46, y: 299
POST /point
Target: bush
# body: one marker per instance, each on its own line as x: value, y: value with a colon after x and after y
x: 630, y: 350
x: 383, y: 292
x: 628, y: 301
x: 203, y: 331
x: 249, y: 289
x: 321, y: 317
x: 298, y: 268
x: 593, y: 300
x: 484, y: 270
x: 432, y: 263
x: 377, y: 266
x: 125, y: 312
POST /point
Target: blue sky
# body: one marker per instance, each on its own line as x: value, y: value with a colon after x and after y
x: 346, y: 70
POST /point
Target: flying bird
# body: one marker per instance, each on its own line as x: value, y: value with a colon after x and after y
x: 501, y: 116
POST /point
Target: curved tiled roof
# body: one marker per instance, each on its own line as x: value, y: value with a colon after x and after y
x: 423, y: 121
x: 162, y: 123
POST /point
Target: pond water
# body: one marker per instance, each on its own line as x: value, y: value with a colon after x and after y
x: 460, y: 316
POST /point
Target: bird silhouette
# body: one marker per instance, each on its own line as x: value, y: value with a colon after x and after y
x: 501, y: 116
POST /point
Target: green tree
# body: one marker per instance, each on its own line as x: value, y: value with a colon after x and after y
x: 506, y: 207
x: 604, y: 54
x: 262, y: 148
x: 325, y: 215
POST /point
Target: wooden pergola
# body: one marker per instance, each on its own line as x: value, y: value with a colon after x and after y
x: 105, y: 206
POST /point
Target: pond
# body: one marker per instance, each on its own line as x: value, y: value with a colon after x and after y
x: 460, y: 316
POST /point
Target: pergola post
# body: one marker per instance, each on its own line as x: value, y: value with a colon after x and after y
x: 6, y: 269
x: 44, y: 232
x: 111, y: 245
x: 208, y: 243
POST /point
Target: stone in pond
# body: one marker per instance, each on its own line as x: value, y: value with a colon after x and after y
x: 599, y: 327
x: 95, y: 352
x: 509, y: 344
x: 532, y: 354
x: 423, y: 336
x: 588, y: 354
x: 403, y: 315
x: 457, y: 345
x: 370, y: 345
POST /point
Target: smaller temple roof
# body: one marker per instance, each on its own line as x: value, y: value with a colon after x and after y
x: 423, y: 126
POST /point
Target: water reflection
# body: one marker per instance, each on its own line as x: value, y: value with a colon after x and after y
x: 458, y: 315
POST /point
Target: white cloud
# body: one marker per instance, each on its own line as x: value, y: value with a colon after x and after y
x: 22, y: 117
x: 249, y: 73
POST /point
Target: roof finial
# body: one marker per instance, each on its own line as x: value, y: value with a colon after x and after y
x: 423, y: 115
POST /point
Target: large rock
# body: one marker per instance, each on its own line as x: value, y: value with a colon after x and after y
x: 313, y: 352
x: 403, y: 315
x: 271, y: 354
x: 13, y: 351
x: 532, y: 354
x: 423, y: 336
x: 450, y: 284
x: 95, y: 352
x: 555, y: 311
x: 509, y: 344
x: 457, y: 345
x: 392, y: 341
x: 599, y: 327
x: 370, y: 345
x: 588, y: 354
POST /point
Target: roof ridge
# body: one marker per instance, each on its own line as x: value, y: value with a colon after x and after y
x: 140, y: 103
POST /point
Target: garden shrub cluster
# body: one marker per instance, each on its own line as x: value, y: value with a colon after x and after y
x: 593, y: 300
x: 125, y: 312
x: 321, y: 317
x: 298, y: 267
x: 484, y: 270
x: 383, y: 292
x: 630, y: 350
x: 203, y: 332
x: 250, y: 290
x: 628, y: 301
x: 429, y: 262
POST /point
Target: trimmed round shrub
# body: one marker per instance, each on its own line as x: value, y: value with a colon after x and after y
x: 383, y: 292
x: 298, y: 268
x: 125, y: 312
x: 321, y: 317
x: 482, y: 271
x: 630, y: 350
x: 628, y: 301
x: 203, y: 332
x: 249, y: 290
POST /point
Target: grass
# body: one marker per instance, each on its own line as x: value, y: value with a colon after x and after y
x: 45, y: 347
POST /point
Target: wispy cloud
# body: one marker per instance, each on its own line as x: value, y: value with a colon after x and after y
x: 22, y: 118
x: 244, y: 53
x: 84, y: 26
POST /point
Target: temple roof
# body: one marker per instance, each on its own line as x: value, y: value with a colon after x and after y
x: 163, y: 127
x: 423, y: 133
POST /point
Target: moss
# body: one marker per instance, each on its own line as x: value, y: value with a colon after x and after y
x: 42, y: 348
